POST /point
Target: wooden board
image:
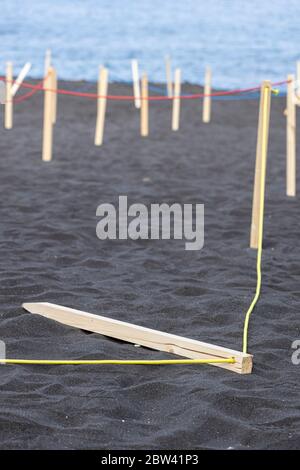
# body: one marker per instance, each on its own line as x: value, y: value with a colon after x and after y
x: 153, y: 339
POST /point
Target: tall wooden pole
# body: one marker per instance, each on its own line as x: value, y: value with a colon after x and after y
x: 291, y: 138
x: 176, y: 100
x: 101, y: 105
x: 48, y: 117
x: 261, y: 161
x: 207, y: 99
x: 144, y: 107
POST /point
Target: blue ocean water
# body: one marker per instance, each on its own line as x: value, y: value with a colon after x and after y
x: 244, y: 41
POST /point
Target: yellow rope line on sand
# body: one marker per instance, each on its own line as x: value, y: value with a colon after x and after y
x: 264, y: 143
x: 47, y: 362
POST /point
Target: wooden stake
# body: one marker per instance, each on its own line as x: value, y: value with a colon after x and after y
x: 54, y: 96
x: 291, y: 138
x: 48, y: 117
x: 136, y: 83
x: 260, y: 160
x: 207, y: 99
x: 176, y: 100
x: 169, y: 77
x: 144, y: 107
x: 8, y: 115
x: 135, y: 334
x: 101, y: 105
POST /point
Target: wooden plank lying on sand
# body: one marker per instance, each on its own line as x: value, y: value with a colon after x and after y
x: 152, y: 339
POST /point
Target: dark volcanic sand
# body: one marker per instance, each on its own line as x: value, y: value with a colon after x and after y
x: 50, y: 252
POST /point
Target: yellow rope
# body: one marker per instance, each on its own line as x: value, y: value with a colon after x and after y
x: 264, y: 144
x: 47, y: 362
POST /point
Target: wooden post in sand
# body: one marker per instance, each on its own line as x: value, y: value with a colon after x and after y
x: 101, y: 105
x: 207, y: 99
x: 169, y: 77
x: 48, y: 117
x: 291, y: 138
x: 136, y: 83
x: 54, y: 96
x: 261, y: 161
x: 8, y: 114
x: 176, y: 100
x: 144, y: 107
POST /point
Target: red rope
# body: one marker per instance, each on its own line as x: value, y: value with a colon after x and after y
x: 40, y: 87
x: 34, y: 90
x: 29, y: 93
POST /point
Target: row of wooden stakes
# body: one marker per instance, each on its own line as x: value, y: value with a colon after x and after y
x: 141, y: 94
x: 140, y: 90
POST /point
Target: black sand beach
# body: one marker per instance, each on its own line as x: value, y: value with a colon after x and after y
x: 49, y: 252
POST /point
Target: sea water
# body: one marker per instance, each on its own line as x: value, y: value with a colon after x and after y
x: 244, y: 41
